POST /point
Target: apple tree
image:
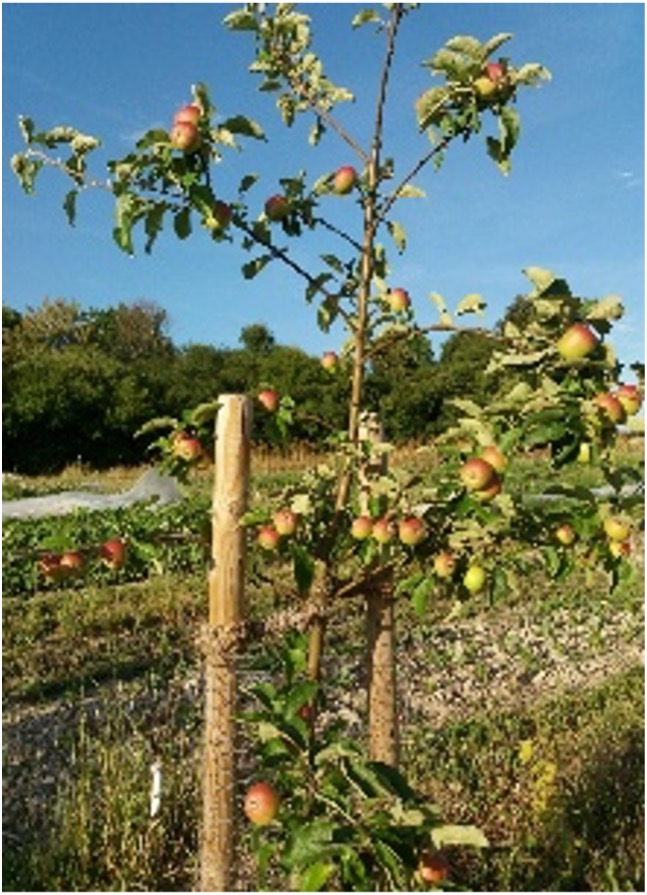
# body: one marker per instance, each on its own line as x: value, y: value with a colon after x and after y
x: 354, y: 529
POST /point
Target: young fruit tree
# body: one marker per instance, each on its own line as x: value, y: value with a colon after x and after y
x: 322, y: 810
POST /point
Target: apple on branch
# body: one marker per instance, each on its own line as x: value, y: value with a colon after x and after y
x: 268, y: 537
x: 477, y: 474
x: 433, y: 867
x: 113, y: 552
x: 630, y: 398
x: 361, y: 528
x: 187, y: 447
x: 474, y: 578
x: 383, y: 531
x: 72, y: 562
x: 277, y: 208
x: 269, y: 399
x: 577, y: 342
x: 261, y: 803
x: 185, y: 136
x: 411, y: 531
x: 611, y: 407
x: 616, y: 528
x: 285, y: 521
x: 344, y: 180
x: 444, y: 564
x: 565, y: 534
x: 329, y: 360
x: 399, y: 300
x: 190, y: 113
x: 495, y: 457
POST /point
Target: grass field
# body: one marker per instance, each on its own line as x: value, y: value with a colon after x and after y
x: 524, y: 715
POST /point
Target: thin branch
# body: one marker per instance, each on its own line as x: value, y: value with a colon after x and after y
x: 439, y: 147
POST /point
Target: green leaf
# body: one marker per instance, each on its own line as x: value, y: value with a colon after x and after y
x: 365, y: 17
x: 509, y: 128
x: 398, y: 234
x: 240, y: 20
x: 247, y: 182
x: 420, y: 596
x: 608, y: 308
x: 466, y: 44
x: 69, y: 206
x: 26, y: 126
x: 455, y: 834
x: 246, y: 127
x: 531, y: 73
x: 255, y: 266
x: 182, y: 223
x: 410, y: 191
x: 304, y: 568
x: 493, y: 44
x: 314, y: 877
x: 153, y: 224
x: 471, y: 304
x: 308, y: 843
x: 26, y: 170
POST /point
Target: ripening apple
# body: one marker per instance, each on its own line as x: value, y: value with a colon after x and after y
x: 620, y: 548
x: 190, y: 113
x: 187, y: 447
x: 361, y: 528
x: 489, y: 493
x: 445, y: 564
x: 329, y: 360
x: 477, y: 474
x: 495, y: 457
x: 344, y: 180
x: 611, y: 406
x: 577, y: 342
x: 584, y: 452
x: 433, y: 867
x: 411, y: 531
x: 616, y: 529
x: 269, y: 399
x: 565, y: 534
x: 398, y: 300
x: 268, y: 537
x: 484, y: 86
x: 221, y: 213
x: 277, y: 208
x: 474, y: 578
x: 72, y: 562
x: 630, y: 398
x: 113, y: 552
x: 383, y: 531
x: 494, y: 71
x: 285, y: 521
x: 185, y: 136
x: 261, y: 803
x: 49, y: 566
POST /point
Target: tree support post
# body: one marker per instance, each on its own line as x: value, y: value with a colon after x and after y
x: 220, y: 640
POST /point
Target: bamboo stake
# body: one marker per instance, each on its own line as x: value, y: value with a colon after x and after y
x: 220, y: 640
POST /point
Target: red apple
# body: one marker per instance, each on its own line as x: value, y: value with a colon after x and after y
x: 611, y: 406
x: 113, y: 552
x: 285, y: 521
x: 433, y: 867
x: 577, y: 342
x: 72, y: 562
x: 494, y: 71
x: 261, y: 803
x: 269, y: 399
x: 185, y: 136
x: 277, y: 208
x: 190, y: 114
x: 344, y: 180
x: 361, y: 528
x: 477, y: 474
x: 221, y: 213
x: 630, y: 398
x: 445, y: 564
x: 565, y: 534
x: 620, y: 548
x: 268, y: 537
x: 616, y: 529
x: 49, y: 565
x: 329, y: 360
x: 411, y: 531
x: 187, y: 447
x: 474, y: 578
x: 383, y: 531
x: 495, y: 457
x: 398, y: 300
x: 489, y: 493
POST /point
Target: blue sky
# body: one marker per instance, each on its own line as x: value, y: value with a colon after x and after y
x: 574, y: 202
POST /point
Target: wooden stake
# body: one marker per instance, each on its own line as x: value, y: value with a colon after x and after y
x: 220, y: 640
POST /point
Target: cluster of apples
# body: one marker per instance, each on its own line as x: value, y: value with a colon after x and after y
x: 283, y: 525
x: 410, y: 530
x: 492, y: 82
x: 279, y: 206
x: 618, y: 532
x: 481, y: 475
x: 70, y: 563
x: 618, y: 405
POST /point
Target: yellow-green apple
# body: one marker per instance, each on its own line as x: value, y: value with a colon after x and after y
x: 361, y: 528
x: 474, y: 578
x: 269, y: 399
x: 277, y: 208
x: 485, y: 87
x: 72, y: 562
x: 444, y: 564
x: 565, y: 534
x: 285, y: 521
x: 190, y: 113
x: 433, y: 867
x: 616, y: 529
x: 383, y: 530
x: 611, y: 406
x: 329, y: 360
x: 477, y: 474
x: 113, y: 552
x: 630, y: 398
x: 398, y: 300
x: 489, y: 493
x: 584, y: 453
x: 577, y: 342
x: 344, y: 180
x: 186, y: 136
x: 261, y: 803
x: 411, y: 531
x: 495, y: 457
x: 268, y: 537
x: 620, y: 548
x: 187, y: 447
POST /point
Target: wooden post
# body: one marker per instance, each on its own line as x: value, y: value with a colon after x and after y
x: 384, y: 740
x: 226, y: 612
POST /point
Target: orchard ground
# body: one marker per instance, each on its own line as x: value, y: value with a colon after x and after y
x: 524, y: 714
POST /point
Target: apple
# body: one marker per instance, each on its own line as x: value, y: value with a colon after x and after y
x: 285, y: 521
x: 72, y: 562
x: 477, y: 474
x: 185, y: 136
x: 269, y: 399
x: 630, y: 398
x: 344, y: 180
x: 261, y: 803
x: 577, y: 342
x: 494, y: 71
x: 221, y: 213
x: 113, y: 552
x: 189, y: 113
x: 565, y: 534
x: 277, y: 208
x: 444, y: 564
x: 329, y: 360
x: 268, y: 537
x: 495, y: 457
x: 433, y: 867
x: 616, y: 529
x: 474, y: 578
x: 307, y: 712
x: 411, y: 531
x: 187, y: 447
x: 484, y: 86
x: 611, y: 406
x: 489, y: 493
x: 50, y: 566
x: 398, y: 300
x: 361, y: 528
x: 620, y: 548
x: 383, y: 531
x: 584, y: 453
